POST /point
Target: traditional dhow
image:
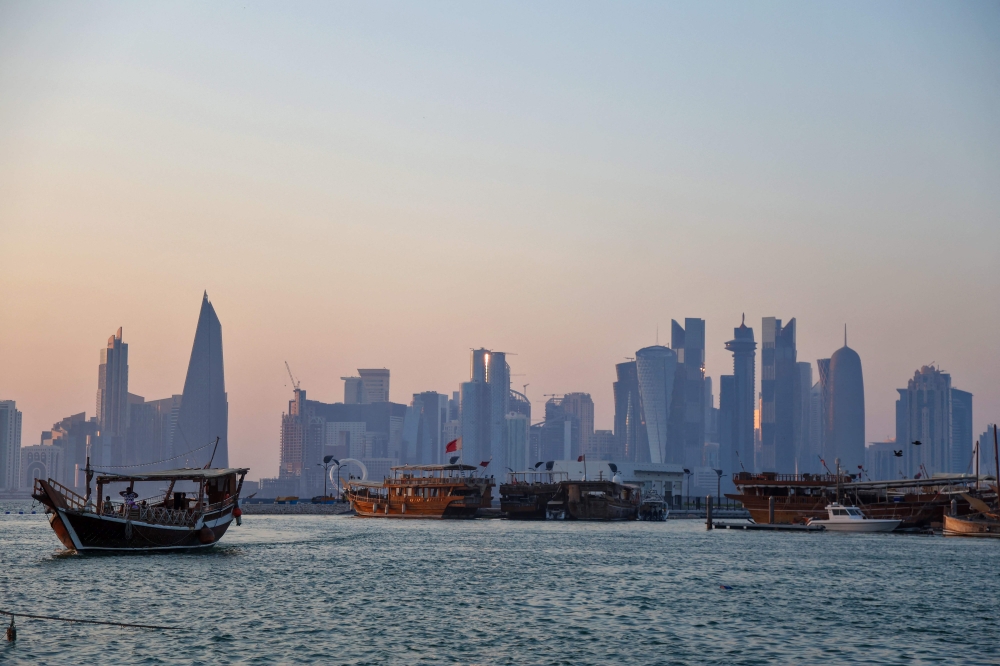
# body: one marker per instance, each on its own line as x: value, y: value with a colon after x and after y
x: 594, y: 500
x: 526, y: 495
x: 165, y: 520
x: 423, y: 491
x: 984, y: 523
x: 917, y: 503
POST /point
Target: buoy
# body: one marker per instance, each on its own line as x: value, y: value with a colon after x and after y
x: 206, y: 535
x: 725, y: 587
x: 237, y: 512
x: 11, y: 630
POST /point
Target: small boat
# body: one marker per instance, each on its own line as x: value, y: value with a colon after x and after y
x: 986, y: 523
x: 850, y: 519
x: 526, y: 495
x: 594, y: 500
x: 167, y: 521
x: 423, y: 491
x: 653, y: 508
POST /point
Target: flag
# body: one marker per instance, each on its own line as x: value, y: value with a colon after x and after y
x: 453, y: 445
x: 485, y: 463
x: 581, y: 458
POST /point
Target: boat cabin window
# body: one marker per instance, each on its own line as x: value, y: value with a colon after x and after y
x: 840, y: 512
x: 853, y: 512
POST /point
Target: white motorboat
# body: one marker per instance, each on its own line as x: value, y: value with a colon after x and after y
x: 850, y: 519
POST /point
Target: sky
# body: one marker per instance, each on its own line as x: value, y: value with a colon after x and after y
x: 392, y: 184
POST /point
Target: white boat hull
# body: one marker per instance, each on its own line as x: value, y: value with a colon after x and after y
x: 867, y: 525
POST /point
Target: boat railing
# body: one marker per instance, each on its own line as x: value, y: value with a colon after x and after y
x: 72, y: 499
x: 743, y: 477
x: 154, y: 515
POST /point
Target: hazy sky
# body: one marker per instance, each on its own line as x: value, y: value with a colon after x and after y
x: 391, y: 184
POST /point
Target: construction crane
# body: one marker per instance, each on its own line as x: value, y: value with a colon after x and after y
x: 295, y: 382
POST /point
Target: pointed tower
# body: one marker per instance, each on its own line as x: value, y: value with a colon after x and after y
x: 846, y: 394
x: 204, y: 413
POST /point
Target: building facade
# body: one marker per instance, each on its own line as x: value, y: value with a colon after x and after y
x: 923, y: 414
x: 630, y: 430
x: 846, y: 393
x: 738, y: 404
x: 659, y: 388
x: 688, y: 343
x: 10, y: 446
x: 961, y: 432
x: 778, y: 379
x: 112, y: 401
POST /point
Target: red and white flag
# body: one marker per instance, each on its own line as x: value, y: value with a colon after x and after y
x: 453, y: 445
x: 581, y: 458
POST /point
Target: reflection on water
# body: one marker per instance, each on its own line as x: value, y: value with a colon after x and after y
x: 332, y: 589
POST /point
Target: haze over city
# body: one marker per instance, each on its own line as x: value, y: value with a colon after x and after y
x: 363, y: 186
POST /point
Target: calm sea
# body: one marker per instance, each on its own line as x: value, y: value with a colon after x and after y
x: 337, y: 589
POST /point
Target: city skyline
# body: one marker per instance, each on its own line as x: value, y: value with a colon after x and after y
x: 350, y: 183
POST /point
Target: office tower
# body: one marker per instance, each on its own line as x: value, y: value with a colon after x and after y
x: 204, y: 409
x: 846, y: 390
x: 581, y: 406
x: 519, y: 404
x: 424, y: 443
x: 739, y: 402
x: 881, y: 463
x: 778, y: 376
x: 603, y: 446
x: 811, y: 463
x: 560, y: 432
x: 987, y: 461
x: 630, y: 431
x: 10, y: 445
x: 375, y: 382
x: 923, y: 414
x: 805, y: 451
x: 152, y: 424
x: 824, y: 420
x: 961, y: 432
x: 727, y: 429
x: 518, y: 452
x: 112, y: 401
x: 354, y: 391
x: 688, y: 343
x: 72, y: 434
x: 658, y: 381
x: 485, y: 405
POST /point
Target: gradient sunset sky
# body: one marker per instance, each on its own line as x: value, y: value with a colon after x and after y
x: 392, y: 184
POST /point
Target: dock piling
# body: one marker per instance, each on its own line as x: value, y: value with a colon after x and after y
x: 770, y: 510
x: 708, y: 512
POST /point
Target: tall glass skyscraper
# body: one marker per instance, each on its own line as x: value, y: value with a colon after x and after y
x: 778, y: 377
x: 846, y: 391
x: 688, y: 342
x: 737, y: 402
x: 923, y: 414
x: 204, y: 412
x: 630, y: 431
x: 657, y: 369
x: 112, y: 401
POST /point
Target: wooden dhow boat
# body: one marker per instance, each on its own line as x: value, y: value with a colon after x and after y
x: 423, y: 491
x: 167, y: 520
x: 526, y: 495
x: 594, y: 500
x: 985, y: 522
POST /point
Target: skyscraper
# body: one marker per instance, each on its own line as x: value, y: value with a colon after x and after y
x: 204, y: 410
x: 560, y: 433
x: 688, y: 342
x: 375, y: 382
x: 112, y: 401
x: 581, y: 405
x: 10, y: 445
x: 961, y: 432
x: 805, y: 450
x: 923, y: 414
x: 738, y: 400
x: 485, y: 405
x: 778, y: 376
x: 657, y: 368
x: 630, y: 431
x: 846, y: 391
x: 354, y: 391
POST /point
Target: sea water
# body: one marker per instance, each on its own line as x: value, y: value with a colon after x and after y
x: 345, y: 590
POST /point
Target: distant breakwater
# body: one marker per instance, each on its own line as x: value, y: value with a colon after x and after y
x: 305, y: 509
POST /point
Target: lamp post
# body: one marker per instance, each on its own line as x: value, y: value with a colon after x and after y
x: 718, y: 489
x: 687, y: 472
x: 326, y: 469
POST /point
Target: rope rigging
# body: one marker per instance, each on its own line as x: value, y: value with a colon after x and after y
x: 69, y: 619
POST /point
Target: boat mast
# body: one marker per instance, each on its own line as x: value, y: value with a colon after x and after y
x: 997, y: 461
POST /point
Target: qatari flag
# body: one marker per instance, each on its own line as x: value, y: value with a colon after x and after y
x: 485, y: 463
x: 453, y: 445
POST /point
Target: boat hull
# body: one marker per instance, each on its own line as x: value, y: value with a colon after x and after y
x: 91, y: 532
x: 858, y: 525
x: 415, y: 508
x: 971, y: 527
x: 524, y: 501
x: 911, y: 513
x: 594, y: 500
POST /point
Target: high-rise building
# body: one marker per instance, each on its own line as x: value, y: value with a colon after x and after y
x: 560, y: 433
x: 427, y: 448
x: 961, y: 432
x: 805, y: 450
x: 10, y: 445
x: 846, y: 427
x: 881, y: 462
x: 112, y: 401
x: 603, y: 446
x: 987, y: 461
x: 73, y: 434
x: 152, y: 424
x: 204, y: 409
x: 518, y: 451
x: 737, y: 403
x: 778, y: 377
x: 688, y: 343
x: 375, y: 382
x: 485, y: 405
x: 581, y: 405
x: 630, y: 430
x: 658, y: 382
x: 923, y: 414
x: 354, y: 391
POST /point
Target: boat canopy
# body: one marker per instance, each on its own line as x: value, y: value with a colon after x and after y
x: 435, y: 468
x: 186, y: 474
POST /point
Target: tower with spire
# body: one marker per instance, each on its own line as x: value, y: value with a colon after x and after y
x: 845, y: 409
x: 204, y: 412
